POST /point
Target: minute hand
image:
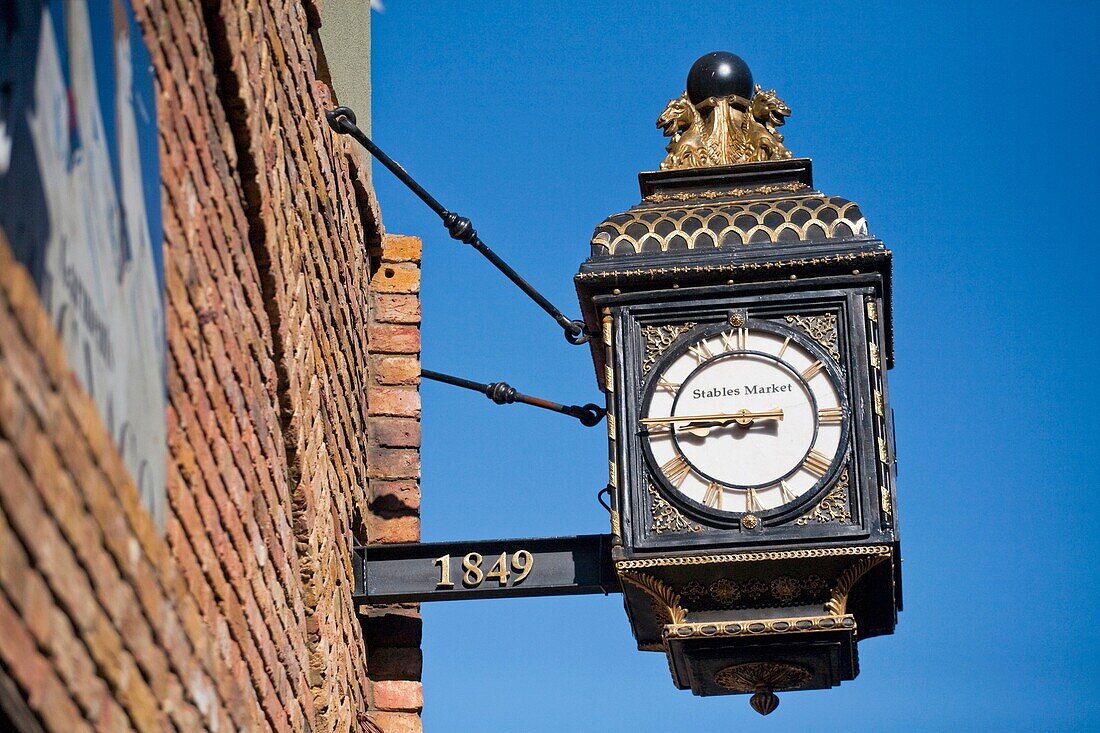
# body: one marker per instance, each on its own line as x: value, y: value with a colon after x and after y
x: 741, y: 417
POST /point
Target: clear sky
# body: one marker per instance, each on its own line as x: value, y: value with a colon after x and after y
x: 968, y: 134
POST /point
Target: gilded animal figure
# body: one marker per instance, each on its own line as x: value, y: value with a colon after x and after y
x: 770, y: 112
x: 724, y: 132
x: 682, y: 122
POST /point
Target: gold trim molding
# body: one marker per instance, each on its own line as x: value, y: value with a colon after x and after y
x: 655, y: 562
x: 759, y: 627
x: 838, y: 259
x: 660, y: 198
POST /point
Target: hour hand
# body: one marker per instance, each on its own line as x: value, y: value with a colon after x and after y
x: 701, y: 425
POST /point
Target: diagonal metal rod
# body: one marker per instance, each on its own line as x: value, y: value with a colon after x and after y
x: 504, y: 394
x: 342, y: 120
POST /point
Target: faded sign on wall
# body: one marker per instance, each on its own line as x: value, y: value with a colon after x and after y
x: 80, y: 206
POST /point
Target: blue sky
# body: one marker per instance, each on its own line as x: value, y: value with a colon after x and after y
x: 967, y: 134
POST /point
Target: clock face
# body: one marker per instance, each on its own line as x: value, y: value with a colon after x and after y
x: 744, y: 419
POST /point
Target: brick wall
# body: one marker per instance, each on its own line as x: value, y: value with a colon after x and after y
x: 293, y: 426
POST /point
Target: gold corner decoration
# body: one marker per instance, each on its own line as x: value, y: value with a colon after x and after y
x: 667, y: 518
x: 658, y: 339
x: 666, y: 602
x: 724, y: 130
x: 832, y: 508
x: 821, y: 329
x: 837, y: 605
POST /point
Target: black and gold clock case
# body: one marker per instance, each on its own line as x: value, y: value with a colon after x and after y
x: 655, y: 517
x: 776, y: 515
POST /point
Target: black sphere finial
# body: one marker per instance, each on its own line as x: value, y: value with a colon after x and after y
x: 719, y: 74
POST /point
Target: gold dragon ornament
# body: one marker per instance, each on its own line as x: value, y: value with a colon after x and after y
x: 724, y: 130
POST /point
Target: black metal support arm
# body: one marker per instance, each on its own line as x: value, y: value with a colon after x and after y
x: 505, y: 394
x: 342, y: 120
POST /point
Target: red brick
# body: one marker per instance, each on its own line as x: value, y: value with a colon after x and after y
x: 396, y: 278
x: 391, y: 370
x: 395, y: 529
x: 402, y: 695
x: 397, y: 309
x: 396, y: 401
x: 401, y: 248
x: 396, y: 432
x: 394, y: 339
x: 398, y: 722
x: 395, y: 496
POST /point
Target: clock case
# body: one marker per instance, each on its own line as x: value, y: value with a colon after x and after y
x: 782, y: 602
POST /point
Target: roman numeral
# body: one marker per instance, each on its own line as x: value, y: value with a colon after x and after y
x: 785, y: 491
x: 701, y: 351
x: 676, y: 470
x: 830, y: 414
x: 742, y: 339
x: 816, y: 463
x: 713, y: 497
x: 752, y: 502
x: 783, y: 348
x: 668, y: 386
x: 811, y: 371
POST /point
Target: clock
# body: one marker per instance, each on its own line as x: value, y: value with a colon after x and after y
x: 742, y: 334
x: 744, y: 417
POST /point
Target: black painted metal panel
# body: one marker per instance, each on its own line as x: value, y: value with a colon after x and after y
x: 412, y: 573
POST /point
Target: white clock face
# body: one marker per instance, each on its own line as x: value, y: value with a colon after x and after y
x: 744, y: 420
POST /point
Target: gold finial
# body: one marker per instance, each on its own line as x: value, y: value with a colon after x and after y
x: 714, y: 123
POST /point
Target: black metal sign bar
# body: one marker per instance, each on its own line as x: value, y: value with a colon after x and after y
x: 449, y: 571
x: 503, y: 393
x: 342, y: 120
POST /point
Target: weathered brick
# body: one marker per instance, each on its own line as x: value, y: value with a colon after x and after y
x: 396, y: 370
x: 399, y: 277
x: 394, y: 339
x: 401, y: 695
x: 394, y: 496
x: 395, y: 663
x: 237, y: 616
x: 401, y: 248
x: 396, y: 401
x: 396, y: 432
x: 398, y: 722
x: 396, y: 308
x: 393, y: 529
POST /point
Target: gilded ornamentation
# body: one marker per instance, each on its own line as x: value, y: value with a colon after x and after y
x: 750, y: 521
x: 876, y: 361
x: 657, y: 341
x: 667, y: 518
x: 730, y: 269
x: 821, y: 329
x: 733, y: 223
x: 727, y: 592
x: 883, y: 454
x: 666, y: 603
x: 837, y: 604
x: 887, y: 506
x: 756, y: 676
x: 759, y: 627
x: 833, y: 508
x: 875, y: 550
x: 660, y: 198
x: 724, y: 130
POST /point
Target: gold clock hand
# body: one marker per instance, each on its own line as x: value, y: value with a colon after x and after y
x: 742, y: 417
